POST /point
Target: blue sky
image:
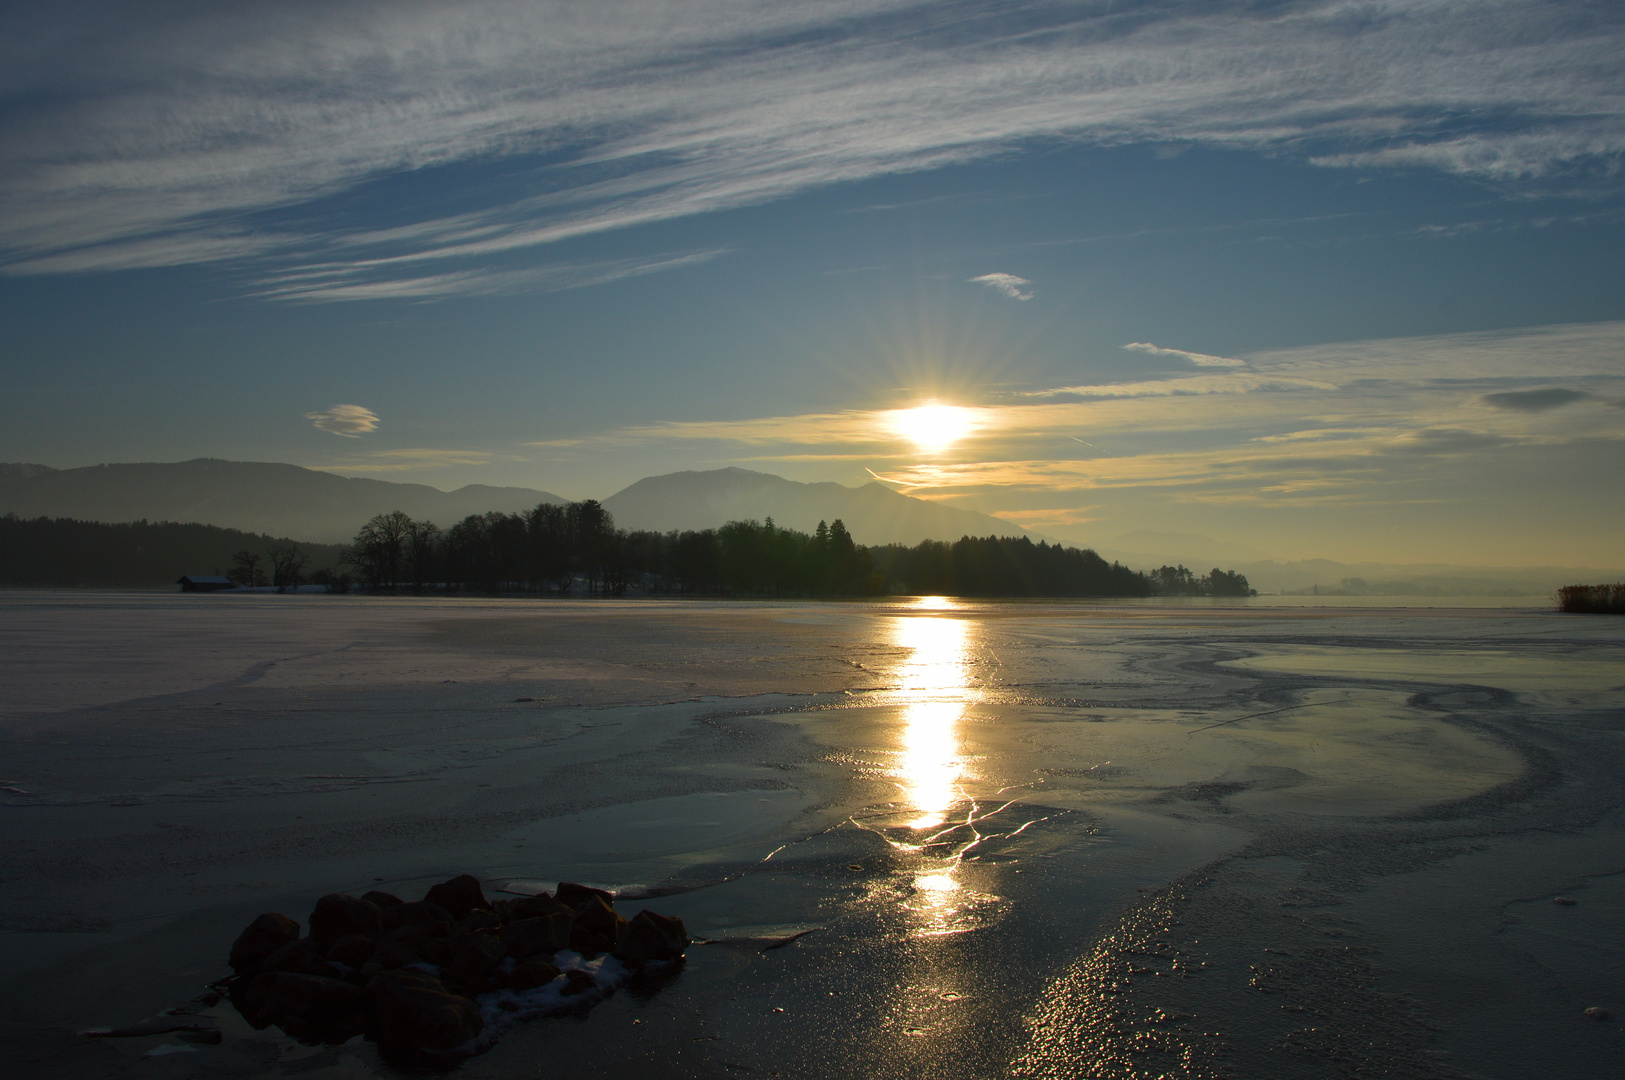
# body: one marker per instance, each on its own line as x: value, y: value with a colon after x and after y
x: 1338, y: 279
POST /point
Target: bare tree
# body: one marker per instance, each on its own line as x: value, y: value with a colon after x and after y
x: 422, y: 548
x: 287, y: 561
x: 245, y: 569
x: 380, y: 548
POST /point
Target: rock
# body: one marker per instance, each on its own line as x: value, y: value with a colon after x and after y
x: 431, y: 918
x: 649, y: 936
x: 475, y: 956
x: 264, y: 936
x: 311, y: 1008
x: 351, y: 950
x: 573, y: 896
x: 576, y: 982
x: 596, y: 916
x: 381, y: 900
x: 1595, y: 1013
x: 536, y: 907
x: 531, y: 974
x: 410, y: 945
x: 459, y: 896
x: 339, y: 915
x: 300, y: 957
x: 537, y: 937
x: 480, y: 919
x: 417, y: 1013
x: 589, y: 943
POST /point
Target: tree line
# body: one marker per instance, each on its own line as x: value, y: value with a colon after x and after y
x: 563, y: 549
x: 68, y: 552
x: 577, y: 549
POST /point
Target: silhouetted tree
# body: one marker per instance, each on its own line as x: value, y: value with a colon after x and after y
x: 287, y: 561
x: 379, y: 549
x: 422, y: 550
x: 245, y: 569
x: 552, y: 548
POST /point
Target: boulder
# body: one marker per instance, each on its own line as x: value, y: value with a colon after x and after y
x: 481, y: 919
x: 531, y: 974
x: 264, y: 936
x: 536, y: 907
x: 577, y: 982
x: 416, y: 1013
x: 340, y: 915
x: 475, y: 956
x: 300, y: 957
x: 381, y: 900
x: 597, y: 916
x: 311, y: 1008
x: 459, y: 896
x: 649, y: 936
x: 431, y: 918
x: 410, y: 945
x: 573, y: 896
x: 351, y: 950
x: 537, y: 937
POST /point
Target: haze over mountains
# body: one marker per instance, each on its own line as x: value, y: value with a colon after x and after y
x: 320, y: 507
x: 255, y: 496
x: 873, y: 513
x: 306, y: 504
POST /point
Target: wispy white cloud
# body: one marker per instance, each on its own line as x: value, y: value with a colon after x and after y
x: 1351, y: 423
x: 351, y: 421
x: 1199, y: 359
x: 362, y: 281
x: 182, y: 137
x: 1008, y: 284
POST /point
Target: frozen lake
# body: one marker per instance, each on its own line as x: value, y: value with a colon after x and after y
x: 1036, y: 839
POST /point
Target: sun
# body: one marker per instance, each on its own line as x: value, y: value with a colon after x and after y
x: 932, y: 427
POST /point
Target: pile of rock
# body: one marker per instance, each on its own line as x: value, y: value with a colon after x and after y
x: 411, y: 974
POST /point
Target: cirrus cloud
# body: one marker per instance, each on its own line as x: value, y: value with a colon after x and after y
x: 1199, y: 359
x: 220, y: 133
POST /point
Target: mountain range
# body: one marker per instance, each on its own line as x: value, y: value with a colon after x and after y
x: 255, y: 496
x: 306, y: 504
x: 873, y: 513
x: 321, y: 507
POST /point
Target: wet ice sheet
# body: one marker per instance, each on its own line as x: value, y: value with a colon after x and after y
x: 965, y: 798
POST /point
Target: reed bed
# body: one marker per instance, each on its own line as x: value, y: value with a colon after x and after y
x: 1592, y: 599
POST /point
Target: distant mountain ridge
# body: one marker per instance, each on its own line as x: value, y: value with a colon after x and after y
x: 322, y: 507
x: 873, y: 513
x: 255, y: 496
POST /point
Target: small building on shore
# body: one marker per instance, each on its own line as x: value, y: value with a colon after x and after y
x: 204, y: 583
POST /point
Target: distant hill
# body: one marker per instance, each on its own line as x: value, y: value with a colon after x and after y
x: 255, y: 496
x: 873, y: 513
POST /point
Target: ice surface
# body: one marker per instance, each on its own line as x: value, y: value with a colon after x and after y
x: 1028, y: 835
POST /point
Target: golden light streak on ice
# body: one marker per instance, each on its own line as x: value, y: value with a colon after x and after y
x: 934, y: 686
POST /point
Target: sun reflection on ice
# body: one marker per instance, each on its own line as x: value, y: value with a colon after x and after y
x: 934, y: 686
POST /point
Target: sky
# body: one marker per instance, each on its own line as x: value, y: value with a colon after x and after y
x: 1329, y: 279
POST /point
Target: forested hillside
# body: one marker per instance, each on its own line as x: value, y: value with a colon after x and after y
x: 62, y: 551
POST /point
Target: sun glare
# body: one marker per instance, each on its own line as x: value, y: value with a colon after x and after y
x: 933, y: 427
